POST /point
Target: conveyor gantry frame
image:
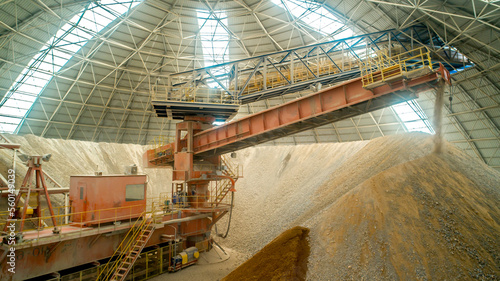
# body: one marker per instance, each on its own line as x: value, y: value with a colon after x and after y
x: 336, y: 103
x: 284, y: 72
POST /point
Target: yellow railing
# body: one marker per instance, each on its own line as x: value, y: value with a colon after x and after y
x: 101, y: 218
x: 150, y: 264
x: 186, y: 201
x: 158, y: 149
x: 221, y: 194
x: 123, y: 249
x: 195, y: 94
x: 320, y: 68
x: 381, y: 68
x: 156, y: 206
x: 231, y: 169
x: 161, y: 140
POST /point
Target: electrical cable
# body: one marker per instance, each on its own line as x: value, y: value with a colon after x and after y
x: 229, y: 222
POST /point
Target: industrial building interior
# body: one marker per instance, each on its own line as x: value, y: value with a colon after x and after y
x: 250, y: 140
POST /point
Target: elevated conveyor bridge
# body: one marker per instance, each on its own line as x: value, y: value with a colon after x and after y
x: 386, y: 81
x: 219, y: 90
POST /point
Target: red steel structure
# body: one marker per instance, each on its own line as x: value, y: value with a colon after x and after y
x: 28, y: 192
x: 336, y: 103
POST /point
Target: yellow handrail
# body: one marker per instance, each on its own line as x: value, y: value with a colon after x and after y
x: 123, y: 249
x: 99, y: 220
x: 155, y: 206
x: 380, y: 67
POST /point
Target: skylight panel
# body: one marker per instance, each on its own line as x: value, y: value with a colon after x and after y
x: 214, y: 37
x: 54, y: 55
x: 214, y: 41
x: 413, y: 117
x: 8, y: 124
x: 316, y: 17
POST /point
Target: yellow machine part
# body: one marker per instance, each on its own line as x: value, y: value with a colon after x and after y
x: 29, y: 211
x: 34, y: 199
x: 184, y: 257
x: 196, y: 254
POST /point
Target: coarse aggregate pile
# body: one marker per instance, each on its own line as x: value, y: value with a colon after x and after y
x: 388, y: 209
x: 284, y: 258
x: 385, y: 209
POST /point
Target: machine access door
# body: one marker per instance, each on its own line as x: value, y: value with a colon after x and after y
x: 83, y: 203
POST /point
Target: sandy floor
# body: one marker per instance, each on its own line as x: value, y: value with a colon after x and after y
x: 203, y: 270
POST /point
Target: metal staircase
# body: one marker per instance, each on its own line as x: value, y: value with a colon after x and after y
x: 229, y: 170
x: 226, y: 187
x: 129, y: 250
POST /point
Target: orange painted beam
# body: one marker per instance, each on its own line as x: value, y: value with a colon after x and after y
x: 346, y: 100
x: 332, y: 104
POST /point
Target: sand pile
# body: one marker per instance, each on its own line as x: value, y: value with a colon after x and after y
x: 389, y: 209
x: 285, y: 258
x: 288, y: 185
x: 278, y: 187
x: 421, y: 220
x: 438, y: 117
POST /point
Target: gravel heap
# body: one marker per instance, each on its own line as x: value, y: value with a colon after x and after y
x: 388, y: 209
x: 426, y: 219
x: 285, y: 258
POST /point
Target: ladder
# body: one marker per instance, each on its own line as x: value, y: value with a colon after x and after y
x: 126, y: 264
x: 129, y: 250
x: 226, y: 187
x: 230, y: 171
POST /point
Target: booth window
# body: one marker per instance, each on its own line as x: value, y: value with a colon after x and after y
x: 134, y: 192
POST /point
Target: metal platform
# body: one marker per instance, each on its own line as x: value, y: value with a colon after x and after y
x: 180, y: 109
x: 285, y: 72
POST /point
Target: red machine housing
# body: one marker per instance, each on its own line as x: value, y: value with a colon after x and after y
x: 100, y: 199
